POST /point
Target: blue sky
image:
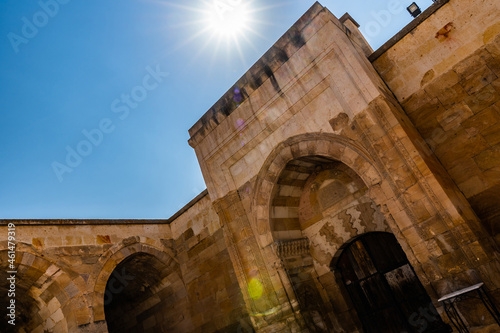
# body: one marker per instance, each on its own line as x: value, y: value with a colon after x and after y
x: 68, y: 69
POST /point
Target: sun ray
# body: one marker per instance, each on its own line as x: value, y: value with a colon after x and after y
x: 190, y: 39
x: 204, y: 46
x: 249, y: 41
x: 255, y: 32
x: 266, y: 8
x: 214, y: 53
x: 240, y: 52
x: 184, y: 7
x: 227, y: 25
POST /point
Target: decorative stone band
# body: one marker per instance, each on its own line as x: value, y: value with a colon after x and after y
x: 291, y: 248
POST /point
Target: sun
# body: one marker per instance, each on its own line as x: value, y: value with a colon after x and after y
x: 228, y: 18
x: 221, y: 25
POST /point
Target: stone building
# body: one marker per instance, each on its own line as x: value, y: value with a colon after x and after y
x: 347, y: 191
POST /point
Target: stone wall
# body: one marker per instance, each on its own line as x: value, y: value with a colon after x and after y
x: 446, y: 76
x: 58, y: 262
x: 141, y: 276
x: 317, y: 144
x: 216, y: 302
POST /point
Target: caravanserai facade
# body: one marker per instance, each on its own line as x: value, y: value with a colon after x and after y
x: 348, y: 190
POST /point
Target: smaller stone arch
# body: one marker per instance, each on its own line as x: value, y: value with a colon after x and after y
x: 49, y: 295
x: 117, y: 254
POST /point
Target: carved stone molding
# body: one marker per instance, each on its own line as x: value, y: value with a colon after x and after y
x: 290, y: 248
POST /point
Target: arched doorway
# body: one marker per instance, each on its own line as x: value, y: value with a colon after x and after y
x: 317, y: 205
x: 139, y: 289
x: 128, y: 286
x: 327, y: 189
x: 40, y: 291
x: 383, y: 287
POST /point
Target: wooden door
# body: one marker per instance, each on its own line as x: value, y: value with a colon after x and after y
x: 386, y: 293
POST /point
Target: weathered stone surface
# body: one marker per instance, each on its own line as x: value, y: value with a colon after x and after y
x: 335, y: 148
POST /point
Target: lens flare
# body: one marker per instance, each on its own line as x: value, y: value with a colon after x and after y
x: 237, y: 98
x: 255, y: 287
x: 240, y: 123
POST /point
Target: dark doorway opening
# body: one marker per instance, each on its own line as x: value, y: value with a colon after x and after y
x: 384, y: 289
x: 127, y: 290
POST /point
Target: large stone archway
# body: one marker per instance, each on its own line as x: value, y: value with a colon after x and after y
x: 425, y: 233
x: 329, y: 146
x: 302, y: 218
